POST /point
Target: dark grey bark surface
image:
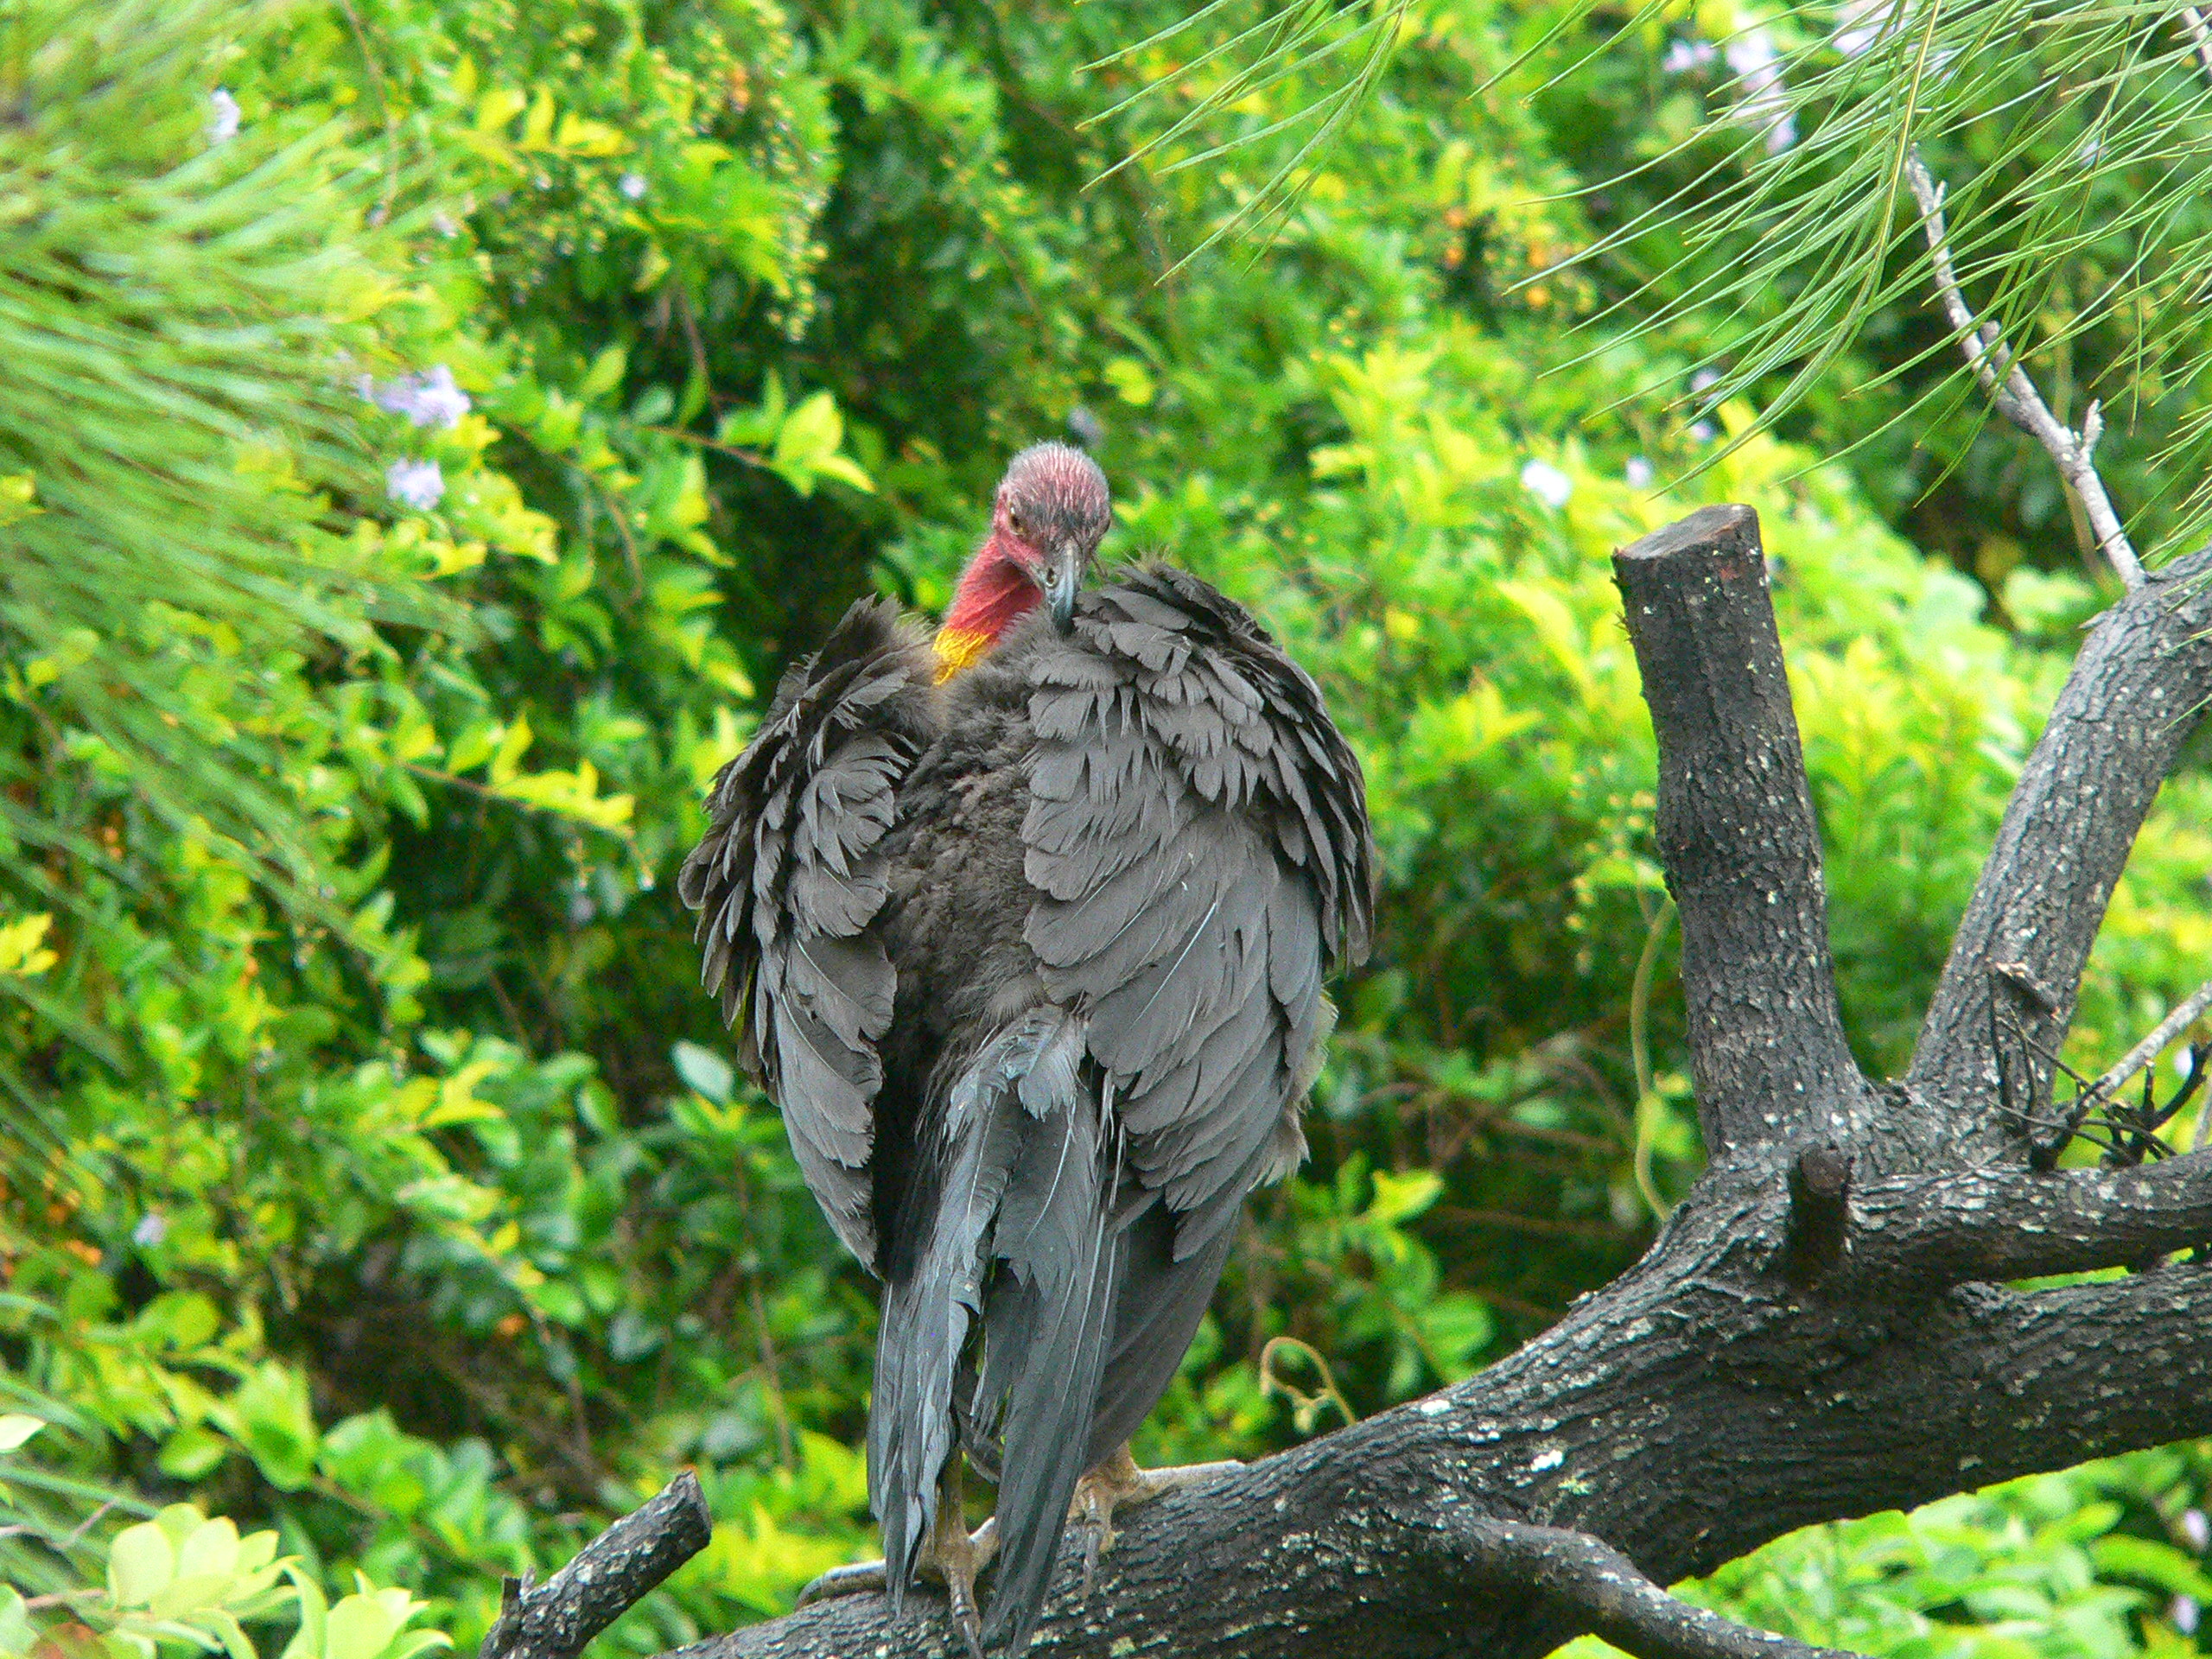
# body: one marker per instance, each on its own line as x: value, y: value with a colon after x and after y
x: 1741, y: 851
x: 557, y: 1618
x: 1819, y: 1331
x: 2135, y: 696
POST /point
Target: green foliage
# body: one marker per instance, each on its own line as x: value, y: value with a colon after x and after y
x: 537, y: 382
x: 2083, y: 1565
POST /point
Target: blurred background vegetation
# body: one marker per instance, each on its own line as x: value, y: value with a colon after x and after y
x: 429, y: 427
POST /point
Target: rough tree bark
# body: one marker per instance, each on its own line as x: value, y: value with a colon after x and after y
x: 1817, y: 1334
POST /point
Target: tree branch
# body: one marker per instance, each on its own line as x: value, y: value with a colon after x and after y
x: 1923, y: 1233
x: 2186, y: 1013
x: 609, y: 1575
x: 1735, y: 832
x: 1678, y: 1416
x: 2199, y: 37
x: 2015, y: 395
x: 2137, y: 692
x: 1601, y: 1589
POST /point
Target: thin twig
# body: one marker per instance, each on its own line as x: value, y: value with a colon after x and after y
x: 774, y: 1374
x: 2200, y: 36
x: 736, y: 452
x: 1648, y: 1104
x: 2015, y: 395
x: 77, y: 1534
x: 614, y: 511
x: 2186, y: 1013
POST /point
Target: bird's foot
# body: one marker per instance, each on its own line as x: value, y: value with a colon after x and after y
x: 957, y: 1555
x: 955, y: 1565
x: 1118, y: 1483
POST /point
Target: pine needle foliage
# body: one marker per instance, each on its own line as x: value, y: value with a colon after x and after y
x: 1305, y: 38
x: 179, y: 296
x: 2075, y: 136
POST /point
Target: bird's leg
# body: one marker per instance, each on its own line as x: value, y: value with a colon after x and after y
x: 952, y: 1554
x: 1117, y: 1483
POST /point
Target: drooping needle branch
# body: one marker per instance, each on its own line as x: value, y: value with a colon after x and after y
x: 2007, y: 384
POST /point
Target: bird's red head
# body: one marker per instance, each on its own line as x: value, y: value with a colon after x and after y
x: 1051, y: 512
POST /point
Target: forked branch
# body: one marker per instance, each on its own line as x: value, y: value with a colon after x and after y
x: 2007, y: 384
x: 2138, y: 689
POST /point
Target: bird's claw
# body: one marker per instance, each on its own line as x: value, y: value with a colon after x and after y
x: 957, y: 1556
x: 863, y: 1578
x: 1117, y: 1483
x: 1097, y: 1538
x: 858, y: 1579
x: 960, y: 1602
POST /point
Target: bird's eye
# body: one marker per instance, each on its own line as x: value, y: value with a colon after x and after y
x: 1013, y: 517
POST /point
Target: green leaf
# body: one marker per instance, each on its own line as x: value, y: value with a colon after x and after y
x: 140, y: 1562
x: 361, y: 1627
x: 1400, y: 1198
x: 235, y: 1644
x: 604, y: 374
x: 16, y: 1633
x: 1131, y: 380
x: 2177, y: 1573
x: 268, y: 1414
x: 313, y: 1636
x: 17, y: 1427
x: 705, y: 1071
x: 811, y: 431
x: 212, y: 1548
x: 474, y: 746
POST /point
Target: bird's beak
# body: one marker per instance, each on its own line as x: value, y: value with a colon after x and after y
x: 1062, y: 581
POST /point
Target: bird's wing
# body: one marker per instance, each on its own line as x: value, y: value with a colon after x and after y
x: 786, y: 882
x: 1198, y: 837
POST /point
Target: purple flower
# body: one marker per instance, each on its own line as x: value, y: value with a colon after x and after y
x: 153, y: 1226
x: 632, y: 185
x: 1864, y: 23
x: 1639, y: 473
x: 1682, y: 56
x: 429, y: 399
x: 2197, y: 1530
x: 416, y: 484
x: 2183, y: 1612
x: 223, y: 125
x: 1547, y: 483
x: 1758, y: 71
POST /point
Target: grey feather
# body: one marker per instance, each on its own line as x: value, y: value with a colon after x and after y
x: 787, y: 885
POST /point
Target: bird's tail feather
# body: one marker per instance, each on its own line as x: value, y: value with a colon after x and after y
x: 1047, y: 1326
x: 980, y: 1144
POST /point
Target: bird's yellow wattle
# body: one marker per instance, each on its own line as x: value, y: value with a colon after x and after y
x: 957, y: 649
